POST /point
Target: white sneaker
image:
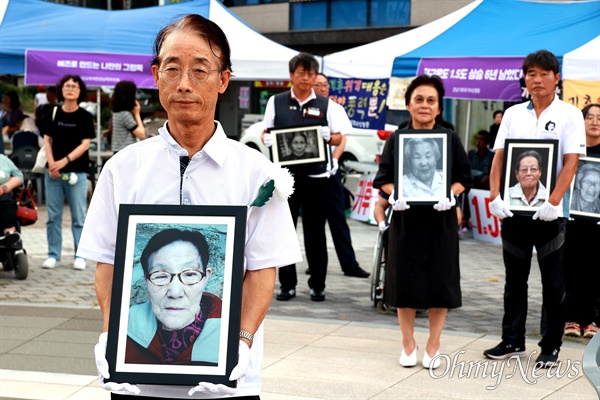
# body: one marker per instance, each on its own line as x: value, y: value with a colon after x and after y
x: 79, y: 263
x: 49, y: 263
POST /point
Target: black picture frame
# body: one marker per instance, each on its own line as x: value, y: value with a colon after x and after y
x: 547, y: 152
x: 581, y: 202
x: 316, y: 149
x: 413, y: 188
x: 224, y: 230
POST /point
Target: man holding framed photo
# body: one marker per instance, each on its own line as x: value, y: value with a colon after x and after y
x: 192, y: 162
x: 300, y: 106
x: 544, y: 117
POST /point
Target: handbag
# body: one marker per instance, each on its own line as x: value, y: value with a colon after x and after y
x: 27, y: 212
x: 41, y: 160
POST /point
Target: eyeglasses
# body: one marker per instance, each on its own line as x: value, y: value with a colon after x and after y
x: 198, y: 75
x: 310, y: 74
x: 71, y: 87
x: 533, y: 170
x: 320, y: 85
x: 188, y: 277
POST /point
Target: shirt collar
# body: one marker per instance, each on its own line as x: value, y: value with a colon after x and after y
x: 530, y: 104
x: 215, y: 148
x: 312, y: 96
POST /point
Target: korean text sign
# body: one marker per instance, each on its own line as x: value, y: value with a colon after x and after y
x: 477, y: 78
x: 363, y: 99
x: 96, y: 69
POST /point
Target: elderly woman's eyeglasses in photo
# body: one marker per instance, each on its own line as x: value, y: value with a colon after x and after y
x: 188, y: 277
x: 71, y: 87
x: 197, y: 75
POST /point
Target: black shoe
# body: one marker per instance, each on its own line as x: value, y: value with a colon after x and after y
x: 317, y: 295
x: 286, y: 294
x: 547, y: 359
x: 504, y: 350
x: 357, y: 271
x: 10, y: 238
x: 307, y: 272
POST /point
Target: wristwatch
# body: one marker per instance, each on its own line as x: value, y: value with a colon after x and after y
x: 5, y: 188
x: 247, y: 335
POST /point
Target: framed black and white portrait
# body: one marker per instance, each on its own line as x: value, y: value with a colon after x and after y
x: 422, y: 166
x: 176, y: 299
x: 585, y: 189
x: 528, y: 173
x: 298, y: 146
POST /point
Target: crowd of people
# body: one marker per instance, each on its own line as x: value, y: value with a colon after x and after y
x: 180, y: 321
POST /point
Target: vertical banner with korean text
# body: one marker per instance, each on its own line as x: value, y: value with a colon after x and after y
x: 363, y: 99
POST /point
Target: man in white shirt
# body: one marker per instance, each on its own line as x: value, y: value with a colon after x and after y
x: 192, y: 162
x: 544, y: 117
x: 300, y: 106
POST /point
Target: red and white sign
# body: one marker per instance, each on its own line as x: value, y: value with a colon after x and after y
x: 486, y: 227
x: 364, y: 202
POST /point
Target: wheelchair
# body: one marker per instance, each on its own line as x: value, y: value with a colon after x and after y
x: 14, y: 257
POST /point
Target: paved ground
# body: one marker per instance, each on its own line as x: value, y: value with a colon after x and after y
x: 341, y: 348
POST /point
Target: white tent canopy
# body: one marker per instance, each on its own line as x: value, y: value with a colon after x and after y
x: 583, y: 63
x: 374, y: 60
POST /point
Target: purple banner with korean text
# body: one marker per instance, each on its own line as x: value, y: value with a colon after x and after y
x: 363, y: 99
x: 477, y: 78
x: 96, y: 69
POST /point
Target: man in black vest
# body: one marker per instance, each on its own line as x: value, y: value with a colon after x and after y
x: 296, y: 107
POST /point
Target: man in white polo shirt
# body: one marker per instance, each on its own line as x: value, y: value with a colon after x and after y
x: 544, y: 117
x: 192, y: 162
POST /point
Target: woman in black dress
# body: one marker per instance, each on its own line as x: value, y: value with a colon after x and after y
x: 423, y: 269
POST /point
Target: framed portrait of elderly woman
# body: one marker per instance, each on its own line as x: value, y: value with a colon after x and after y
x: 585, y: 190
x: 528, y: 173
x: 422, y: 166
x: 298, y: 146
x: 176, y: 297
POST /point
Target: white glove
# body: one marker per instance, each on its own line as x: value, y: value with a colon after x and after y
x: 446, y: 204
x: 326, y: 133
x: 547, y: 212
x: 499, y: 208
x: 237, y: 374
x: 398, y: 205
x: 383, y: 226
x: 335, y: 167
x: 102, y: 366
x: 268, y: 139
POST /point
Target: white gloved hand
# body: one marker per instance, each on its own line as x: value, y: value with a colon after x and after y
x: 383, y: 226
x: 499, y: 208
x: 446, y: 204
x: 326, y: 133
x: 268, y: 139
x: 237, y: 374
x: 102, y: 366
x: 334, y: 168
x: 547, y: 212
x: 398, y: 205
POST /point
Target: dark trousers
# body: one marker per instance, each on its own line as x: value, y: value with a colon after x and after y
x: 309, y: 194
x: 338, y: 225
x: 519, y: 235
x: 8, y: 212
x: 582, y: 275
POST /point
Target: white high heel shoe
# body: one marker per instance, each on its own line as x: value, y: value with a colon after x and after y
x: 408, y: 360
x: 427, y: 361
